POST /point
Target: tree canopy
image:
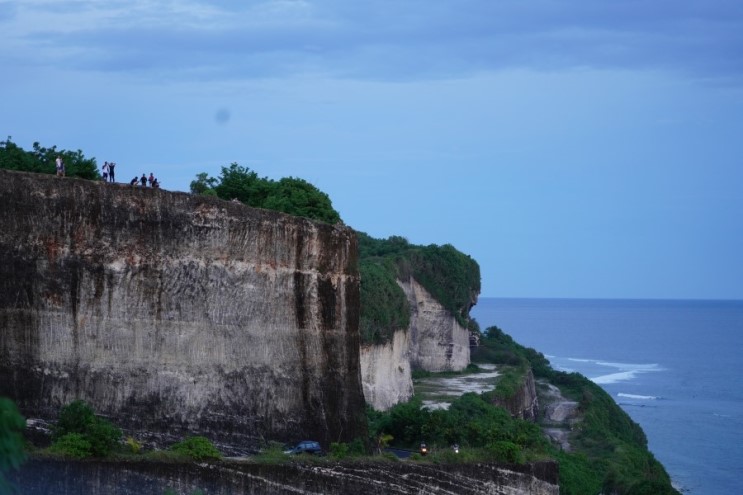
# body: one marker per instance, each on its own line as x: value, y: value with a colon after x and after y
x: 11, y: 439
x: 289, y: 195
x: 450, y: 276
x: 41, y: 160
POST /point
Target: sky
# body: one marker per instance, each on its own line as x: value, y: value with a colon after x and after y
x: 573, y: 148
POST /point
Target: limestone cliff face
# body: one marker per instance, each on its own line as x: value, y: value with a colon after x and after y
x: 524, y: 403
x: 385, y: 372
x: 168, y: 311
x: 437, y: 341
x: 433, y: 341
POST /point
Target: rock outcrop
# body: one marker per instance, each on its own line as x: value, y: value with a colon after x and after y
x: 385, y: 372
x: 434, y: 341
x: 524, y: 404
x: 437, y: 341
x: 179, y: 313
x: 151, y: 478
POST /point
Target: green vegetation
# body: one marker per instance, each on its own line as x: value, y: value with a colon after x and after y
x: 610, y: 452
x: 41, y: 160
x: 343, y: 450
x: 12, y: 454
x: 384, y: 307
x: 450, y: 276
x: 289, y: 195
x: 485, y: 432
x: 80, y: 433
x: 197, y: 448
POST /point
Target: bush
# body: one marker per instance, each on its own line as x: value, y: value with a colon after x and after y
x: 289, y: 195
x: 75, y: 417
x: 11, y: 440
x: 197, y: 448
x: 505, y: 451
x: 134, y: 446
x: 78, y: 418
x: 72, y: 445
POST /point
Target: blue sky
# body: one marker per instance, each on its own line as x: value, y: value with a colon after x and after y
x: 585, y: 148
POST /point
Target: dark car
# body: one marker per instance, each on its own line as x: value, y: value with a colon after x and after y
x: 305, y: 447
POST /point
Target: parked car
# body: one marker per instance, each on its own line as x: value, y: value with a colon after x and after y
x: 306, y: 447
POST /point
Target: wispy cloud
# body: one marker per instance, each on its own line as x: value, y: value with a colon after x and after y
x: 378, y: 40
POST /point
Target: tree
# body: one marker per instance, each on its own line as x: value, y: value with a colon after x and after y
x: 289, y: 195
x: 299, y: 197
x: 204, y: 185
x: 11, y: 440
x: 41, y: 160
x: 243, y: 184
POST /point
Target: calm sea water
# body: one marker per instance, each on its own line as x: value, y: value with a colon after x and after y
x: 673, y: 366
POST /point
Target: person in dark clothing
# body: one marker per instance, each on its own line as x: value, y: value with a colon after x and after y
x: 111, y: 176
x: 143, y: 180
x: 134, y: 181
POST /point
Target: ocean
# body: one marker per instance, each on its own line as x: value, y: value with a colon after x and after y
x: 673, y: 365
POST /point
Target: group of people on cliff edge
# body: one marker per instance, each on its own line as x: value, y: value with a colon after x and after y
x: 142, y: 181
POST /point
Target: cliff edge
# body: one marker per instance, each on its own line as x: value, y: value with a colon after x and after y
x: 171, y: 312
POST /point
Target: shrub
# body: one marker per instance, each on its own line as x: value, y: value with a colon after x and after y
x: 78, y: 418
x: 338, y: 450
x: 134, y: 446
x: 11, y: 440
x: 197, y: 448
x: 72, y: 445
x: 505, y: 451
x: 75, y: 417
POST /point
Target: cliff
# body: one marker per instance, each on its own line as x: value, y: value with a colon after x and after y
x: 150, y: 478
x: 385, y: 372
x: 170, y: 312
x: 523, y: 404
x: 434, y: 341
x: 437, y: 341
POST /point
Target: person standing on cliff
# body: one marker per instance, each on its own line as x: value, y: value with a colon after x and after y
x: 111, y: 176
x: 105, y: 171
x: 60, y: 166
x: 143, y: 180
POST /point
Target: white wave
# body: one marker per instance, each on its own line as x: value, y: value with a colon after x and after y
x: 614, y: 377
x: 631, y: 366
x: 637, y: 397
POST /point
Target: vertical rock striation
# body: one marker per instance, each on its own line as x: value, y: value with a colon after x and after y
x: 437, y: 341
x: 173, y: 312
x: 385, y: 372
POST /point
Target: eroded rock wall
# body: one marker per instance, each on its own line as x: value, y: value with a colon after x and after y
x: 168, y: 312
x: 385, y: 372
x: 524, y: 404
x: 437, y: 341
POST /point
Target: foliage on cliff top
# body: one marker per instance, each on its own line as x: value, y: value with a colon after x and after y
x: 610, y: 450
x: 288, y: 195
x: 384, y: 307
x: 42, y: 160
x: 450, y: 276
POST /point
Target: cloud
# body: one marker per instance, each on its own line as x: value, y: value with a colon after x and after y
x: 383, y: 39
